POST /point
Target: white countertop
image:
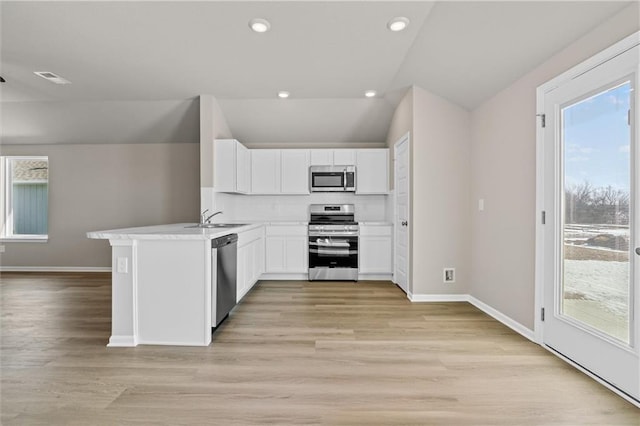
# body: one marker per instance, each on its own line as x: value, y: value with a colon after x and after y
x: 286, y: 222
x: 181, y: 231
x: 175, y: 231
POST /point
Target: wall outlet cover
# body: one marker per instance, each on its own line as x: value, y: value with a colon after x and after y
x: 449, y: 275
x: 123, y: 265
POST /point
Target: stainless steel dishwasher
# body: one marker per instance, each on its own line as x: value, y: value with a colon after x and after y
x: 224, y: 253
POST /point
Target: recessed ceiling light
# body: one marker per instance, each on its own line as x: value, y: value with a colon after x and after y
x: 283, y: 94
x: 54, y: 78
x: 259, y: 25
x: 398, y: 23
x: 370, y: 93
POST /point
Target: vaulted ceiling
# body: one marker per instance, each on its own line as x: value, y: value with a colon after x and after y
x: 137, y: 68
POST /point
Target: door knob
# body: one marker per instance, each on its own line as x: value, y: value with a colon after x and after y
x: 638, y: 250
x: 405, y: 223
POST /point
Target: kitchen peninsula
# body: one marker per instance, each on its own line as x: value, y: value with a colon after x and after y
x: 161, y: 282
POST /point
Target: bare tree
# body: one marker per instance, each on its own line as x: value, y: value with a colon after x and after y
x: 604, y: 205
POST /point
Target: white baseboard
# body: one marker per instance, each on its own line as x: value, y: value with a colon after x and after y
x: 54, y: 269
x: 284, y: 277
x: 122, y: 342
x: 509, y: 322
x: 375, y: 277
x: 438, y: 297
x: 494, y: 313
x: 305, y: 277
x: 171, y: 343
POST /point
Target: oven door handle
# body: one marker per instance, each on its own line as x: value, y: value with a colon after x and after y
x: 341, y: 234
x: 328, y: 243
x: 333, y: 252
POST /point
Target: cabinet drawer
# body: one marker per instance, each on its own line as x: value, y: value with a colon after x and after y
x: 246, y: 237
x: 284, y: 230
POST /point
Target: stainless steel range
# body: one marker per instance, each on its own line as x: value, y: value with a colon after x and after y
x: 333, y: 242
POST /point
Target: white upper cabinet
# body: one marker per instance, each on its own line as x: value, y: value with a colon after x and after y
x: 294, y: 171
x: 372, y: 171
x: 344, y: 157
x: 243, y: 171
x: 333, y: 157
x: 321, y: 157
x: 286, y: 171
x: 279, y: 171
x: 231, y: 166
x: 265, y: 171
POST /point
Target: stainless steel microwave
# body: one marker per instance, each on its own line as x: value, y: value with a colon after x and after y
x: 332, y: 178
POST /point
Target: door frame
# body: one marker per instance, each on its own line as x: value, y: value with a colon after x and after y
x: 583, y: 67
x: 407, y: 137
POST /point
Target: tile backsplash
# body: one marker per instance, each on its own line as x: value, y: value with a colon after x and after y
x: 296, y: 207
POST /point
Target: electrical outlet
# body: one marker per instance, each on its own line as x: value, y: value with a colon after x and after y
x: 449, y: 275
x: 481, y: 204
x: 123, y: 265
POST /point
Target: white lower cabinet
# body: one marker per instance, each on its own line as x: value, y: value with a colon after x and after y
x: 250, y: 260
x: 375, y: 249
x: 286, y: 249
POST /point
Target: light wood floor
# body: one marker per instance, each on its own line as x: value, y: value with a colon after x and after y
x: 291, y: 353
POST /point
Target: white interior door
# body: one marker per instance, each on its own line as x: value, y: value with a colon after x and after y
x: 591, y: 205
x: 402, y: 225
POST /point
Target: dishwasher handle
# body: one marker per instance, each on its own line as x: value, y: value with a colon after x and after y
x: 220, y: 242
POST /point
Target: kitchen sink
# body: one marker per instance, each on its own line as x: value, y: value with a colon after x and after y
x: 216, y: 225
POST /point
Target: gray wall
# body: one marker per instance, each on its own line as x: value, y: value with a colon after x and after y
x: 440, y: 194
x: 440, y: 156
x: 503, y: 174
x: 213, y: 125
x: 106, y: 186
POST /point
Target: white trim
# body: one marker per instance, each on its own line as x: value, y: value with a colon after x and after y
x: 25, y: 239
x: 6, y: 181
x: 594, y: 377
x: 406, y: 137
x: 542, y: 91
x: 438, y: 297
x: 605, y: 55
x: 122, y: 342
x: 509, y: 322
x: 591, y: 63
x: 376, y: 277
x: 121, y: 242
x: 269, y: 276
x: 55, y: 269
x: 172, y: 343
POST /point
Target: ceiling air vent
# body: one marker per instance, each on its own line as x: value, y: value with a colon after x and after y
x: 54, y: 78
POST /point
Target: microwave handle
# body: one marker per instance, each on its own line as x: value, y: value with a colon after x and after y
x: 344, y: 178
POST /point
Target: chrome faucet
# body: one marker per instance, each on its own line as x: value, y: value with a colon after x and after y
x: 204, y: 219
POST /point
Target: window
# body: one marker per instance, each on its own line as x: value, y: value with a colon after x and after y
x: 25, y: 198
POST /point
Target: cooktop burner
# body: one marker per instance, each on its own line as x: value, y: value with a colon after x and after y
x: 332, y: 214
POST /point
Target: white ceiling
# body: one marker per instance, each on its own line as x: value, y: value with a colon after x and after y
x: 137, y: 67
